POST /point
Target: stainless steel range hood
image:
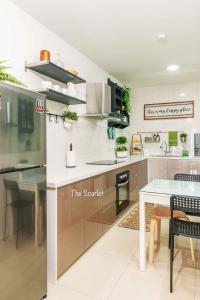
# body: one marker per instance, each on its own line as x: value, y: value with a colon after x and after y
x: 98, y: 100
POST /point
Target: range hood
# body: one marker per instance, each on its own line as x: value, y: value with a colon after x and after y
x: 98, y: 100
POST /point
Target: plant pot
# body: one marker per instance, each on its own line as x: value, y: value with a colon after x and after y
x: 122, y: 154
x: 183, y: 139
x: 67, y: 123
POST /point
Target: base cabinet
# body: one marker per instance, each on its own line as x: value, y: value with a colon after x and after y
x: 70, y: 228
x: 138, y: 179
x: 82, y: 216
x: 167, y: 168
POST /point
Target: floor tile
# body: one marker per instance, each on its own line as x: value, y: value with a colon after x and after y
x: 94, y: 274
x: 57, y: 292
x: 118, y: 242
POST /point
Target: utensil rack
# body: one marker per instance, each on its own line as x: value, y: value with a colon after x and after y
x: 56, y: 117
x: 140, y: 132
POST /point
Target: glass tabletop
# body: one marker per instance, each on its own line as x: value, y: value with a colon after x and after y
x: 173, y: 187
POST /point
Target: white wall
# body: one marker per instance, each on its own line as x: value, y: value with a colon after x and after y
x: 160, y: 94
x: 22, y: 38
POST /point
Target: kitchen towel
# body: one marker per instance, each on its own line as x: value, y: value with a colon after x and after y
x: 173, y: 138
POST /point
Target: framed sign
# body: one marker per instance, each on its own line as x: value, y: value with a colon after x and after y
x: 170, y: 110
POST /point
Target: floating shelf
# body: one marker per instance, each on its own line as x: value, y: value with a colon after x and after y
x: 53, y: 71
x: 60, y: 97
x: 118, y: 124
x: 96, y: 116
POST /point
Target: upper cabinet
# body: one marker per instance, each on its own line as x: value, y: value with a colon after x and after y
x: 118, y: 109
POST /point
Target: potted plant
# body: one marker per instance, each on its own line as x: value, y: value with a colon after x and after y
x: 5, y: 77
x: 183, y: 137
x: 121, y: 149
x: 70, y: 115
x: 68, y: 118
x: 126, y: 97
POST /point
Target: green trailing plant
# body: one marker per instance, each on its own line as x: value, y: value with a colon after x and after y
x: 121, y: 142
x: 70, y: 115
x: 126, y: 97
x: 6, y: 76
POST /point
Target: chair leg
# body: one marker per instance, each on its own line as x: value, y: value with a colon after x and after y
x: 158, y: 228
x: 171, y: 262
x: 5, y: 223
x: 169, y: 234
x: 192, y: 250
x: 18, y: 226
x: 151, y: 241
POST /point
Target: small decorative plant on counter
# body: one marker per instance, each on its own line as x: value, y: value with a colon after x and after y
x: 183, y: 137
x: 5, y: 77
x: 126, y: 97
x: 121, y: 149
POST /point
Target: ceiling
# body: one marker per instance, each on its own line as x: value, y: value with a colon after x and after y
x: 121, y: 35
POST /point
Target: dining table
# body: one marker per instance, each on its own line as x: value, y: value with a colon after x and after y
x: 158, y: 192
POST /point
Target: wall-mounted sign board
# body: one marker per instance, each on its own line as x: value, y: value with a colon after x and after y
x: 170, y: 110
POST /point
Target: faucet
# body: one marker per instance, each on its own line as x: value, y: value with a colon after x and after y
x: 162, y: 147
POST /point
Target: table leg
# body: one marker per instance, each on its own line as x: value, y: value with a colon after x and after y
x: 142, y: 235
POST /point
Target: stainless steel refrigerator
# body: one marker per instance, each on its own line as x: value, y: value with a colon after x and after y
x: 23, y: 268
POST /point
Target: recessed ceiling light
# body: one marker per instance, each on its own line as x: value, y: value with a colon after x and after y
x: 162, y: 37
x: 182, y: 95
x: 172, y: 68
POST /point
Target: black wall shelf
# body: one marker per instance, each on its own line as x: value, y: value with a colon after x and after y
x: 118, y: 106
x: 53, y: 71
x: 60, y: 97
x: 118, y: 124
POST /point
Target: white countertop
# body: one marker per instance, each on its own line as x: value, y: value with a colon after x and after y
x: 58, y: 176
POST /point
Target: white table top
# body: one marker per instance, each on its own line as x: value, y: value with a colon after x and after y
x: 173, y: 187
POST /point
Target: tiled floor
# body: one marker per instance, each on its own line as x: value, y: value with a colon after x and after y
x: 110, y: 271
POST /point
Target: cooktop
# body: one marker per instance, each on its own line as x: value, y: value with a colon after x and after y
x: 105, y: 162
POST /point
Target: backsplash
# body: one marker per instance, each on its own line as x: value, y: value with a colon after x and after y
x: 162, y: 94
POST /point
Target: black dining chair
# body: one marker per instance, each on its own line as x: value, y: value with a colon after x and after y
x: 179, y: 227
x: 17, y: 201
x: 185, y: 177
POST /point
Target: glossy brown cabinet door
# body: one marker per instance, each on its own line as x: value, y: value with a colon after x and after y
x: 92, y: 202
x: 70, y: 230
x: 138, y: 179
x: 106, y: 183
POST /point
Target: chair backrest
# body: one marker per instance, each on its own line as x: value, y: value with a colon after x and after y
x: 11, y: 185
x: 189, y: 205
x: 187, y: 177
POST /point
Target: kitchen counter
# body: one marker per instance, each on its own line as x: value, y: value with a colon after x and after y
x: 58, y: 176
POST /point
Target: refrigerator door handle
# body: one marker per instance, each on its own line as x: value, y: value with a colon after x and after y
x: 8, y: 113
